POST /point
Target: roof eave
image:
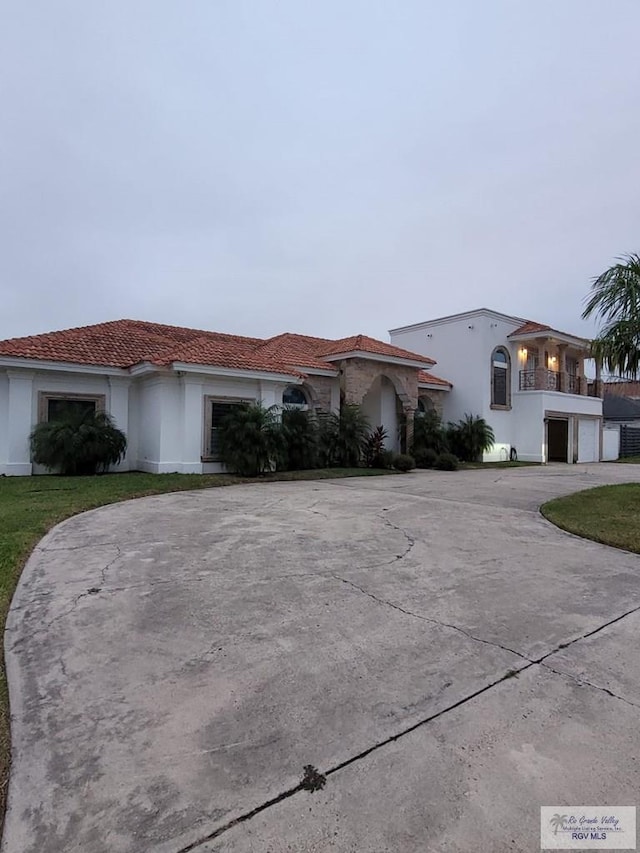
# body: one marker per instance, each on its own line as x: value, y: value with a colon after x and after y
x: 12, y: 362
x: 551, y: 334
x: 239, y: 372
x: 371, y: 356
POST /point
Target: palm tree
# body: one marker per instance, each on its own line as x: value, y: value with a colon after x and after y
x: 557, y: 821
x: 615, y: 301
x: 470, y: 438
x: 343, y: 436
x: 80, y: 442
x: 251, y: 439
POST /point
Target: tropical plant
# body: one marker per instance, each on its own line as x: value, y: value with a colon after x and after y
x: 425, y: 458
x: 300, y: 440
x: 403, y: 462
x: 342, y: 436
x: 373, y: 448
x: 251, y: 439
x: 615, y: 301
x: 470, y: 438
x: 79, y: 443
x: 446, y: 462
x: 428, y: 433
x: 386, y: 459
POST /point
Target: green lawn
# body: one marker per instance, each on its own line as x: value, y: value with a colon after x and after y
x: 632, y: 460
x: 608, y: 514
x: 30, y: 506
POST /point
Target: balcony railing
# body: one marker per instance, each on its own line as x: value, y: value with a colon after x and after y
x: 574, y: 384
x: 540, y: 380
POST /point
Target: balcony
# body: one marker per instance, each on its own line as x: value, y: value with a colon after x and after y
x: 541, y: 379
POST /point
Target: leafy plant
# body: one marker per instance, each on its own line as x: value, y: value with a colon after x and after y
x: 342, y: 436
x: 470, y: 438
x: 373, y: 448
x: 80, y: 443
x: 403, y: 462
x: 428, y: 433
x: 300, y: 440
x: 425, y: 458
x: 386, y: 459
x: 446, y: 462
x: 615, y: 301
x: 251, y: 439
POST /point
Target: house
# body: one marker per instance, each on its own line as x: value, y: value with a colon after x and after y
x: 168, y: 387
x: 526, y: 379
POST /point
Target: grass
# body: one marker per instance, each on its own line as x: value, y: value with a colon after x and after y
x: 30, y: 506
x: 632, y: 460
x: 607, y: 514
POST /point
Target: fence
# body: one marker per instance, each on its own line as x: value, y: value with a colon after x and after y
x: 629, y: 441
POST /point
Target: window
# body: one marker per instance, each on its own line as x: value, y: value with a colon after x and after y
x: 62, y: 407
x: 500, y: 378
x: 294, y: 396
x: 425, y: 404
x: 217, y: 412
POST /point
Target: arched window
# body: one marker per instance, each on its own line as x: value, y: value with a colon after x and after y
x: 500, y: 378
x: 425, y: 404
x: 294, y: 396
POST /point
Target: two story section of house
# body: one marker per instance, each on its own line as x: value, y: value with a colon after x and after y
x: 526, y: 379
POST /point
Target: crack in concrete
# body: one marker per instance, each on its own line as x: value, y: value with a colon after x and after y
x: 510, y: 673
x: 467, y: 634
x: 583, y: 681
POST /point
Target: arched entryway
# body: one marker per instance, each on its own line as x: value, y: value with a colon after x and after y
x: 383, y: 407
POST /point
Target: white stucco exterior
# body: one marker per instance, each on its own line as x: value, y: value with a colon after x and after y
x: 163, y: 413
x: 462, y: 346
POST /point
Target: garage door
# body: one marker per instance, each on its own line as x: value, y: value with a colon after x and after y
x: 588, y: 440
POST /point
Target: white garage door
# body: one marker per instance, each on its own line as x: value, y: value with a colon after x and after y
x: 588, y: 440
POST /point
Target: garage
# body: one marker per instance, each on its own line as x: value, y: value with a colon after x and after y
x: 588, y: 440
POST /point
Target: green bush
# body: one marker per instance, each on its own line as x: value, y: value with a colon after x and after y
x: 425, y: 458
x: 446, y: 462
x: 300, y: 440
x: 342, y: 437
x: 251, y: 439
x: 80, y: 443
x: 470, y: 438
x: 386, y: 459
x: 373, y: 448
x: 403, y: 462
x: 428, y: 433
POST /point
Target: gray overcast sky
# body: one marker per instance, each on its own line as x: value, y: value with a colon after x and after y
x: 325, y: 167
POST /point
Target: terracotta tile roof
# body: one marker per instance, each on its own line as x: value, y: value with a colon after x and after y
x: 362, y: 343
x: 530, y: 327
x: 124, y: 343
x: 424, y: 377
x: 533, y: 328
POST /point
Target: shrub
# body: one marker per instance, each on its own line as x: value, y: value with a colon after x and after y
x: 425, y: 458
x: 300, y: 440
x: 428, y: 433
x: 446, y: 462
x: 342, y: 436
x: 403, y: 462
x: 386, y: 460
x: 80, y: 443
x: 251, y: 439
x: 470, y: 438
x: 373, y: 448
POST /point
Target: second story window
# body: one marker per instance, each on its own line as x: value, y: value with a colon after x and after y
x: 500, y: 378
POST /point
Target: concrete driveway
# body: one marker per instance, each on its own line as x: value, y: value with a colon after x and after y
x: 441, y: 659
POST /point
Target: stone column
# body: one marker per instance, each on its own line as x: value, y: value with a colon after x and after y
x: 583, y: 379
x: 598, y: 383
x: 562, y: 368
x: 19, y: 422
